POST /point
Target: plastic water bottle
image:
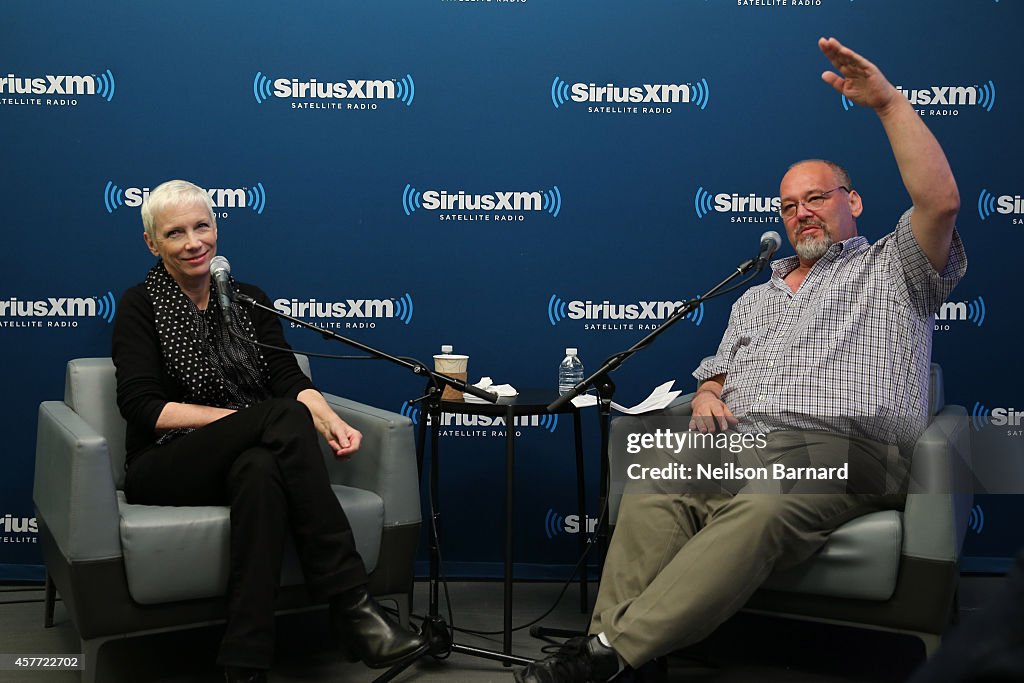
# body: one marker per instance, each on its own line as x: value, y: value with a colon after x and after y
x: 570, y: 371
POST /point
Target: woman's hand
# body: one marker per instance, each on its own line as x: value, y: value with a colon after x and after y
x: 340, y: 436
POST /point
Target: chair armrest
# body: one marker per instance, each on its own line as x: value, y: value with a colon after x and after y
x: 622, y: 426
x: 680, y: 407
x: 74, y: 492
x: 941, y: 489
x: 385, y: 462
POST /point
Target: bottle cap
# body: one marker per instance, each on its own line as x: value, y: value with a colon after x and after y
x: 571, y: 351
x: 446, y: 348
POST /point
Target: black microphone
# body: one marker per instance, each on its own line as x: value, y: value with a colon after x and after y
x: 770, y: 243
x: 220, y: 269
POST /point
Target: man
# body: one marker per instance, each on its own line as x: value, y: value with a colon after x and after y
x: 829, y: 361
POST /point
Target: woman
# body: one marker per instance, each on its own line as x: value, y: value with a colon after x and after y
x: 215, y: 420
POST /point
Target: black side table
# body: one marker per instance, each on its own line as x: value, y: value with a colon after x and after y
x: 528, y: 402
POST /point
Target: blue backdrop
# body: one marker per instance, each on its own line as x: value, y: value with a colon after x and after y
x: 354, y: 150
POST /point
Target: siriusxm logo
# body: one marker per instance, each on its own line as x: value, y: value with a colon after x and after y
x: 64, y: 85
x: 724, y: 202
x: 18, y: 525
x: 400, y: 308
x: 555, y: 524
x: 23, y: 312
x: 442, y: 200
x: 401, y: 89
x: 657, y: 94
x: 559, y: 310
x: 981, y: 416
x: 547, y: 422
x: 967, y: 311
x: 1006, y: 205
x: 255, y: 197
x: 976, y: 521
x: 945, y: 98
x: 768, y: 4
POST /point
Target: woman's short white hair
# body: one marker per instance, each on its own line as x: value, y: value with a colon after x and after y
x: 172, y: 193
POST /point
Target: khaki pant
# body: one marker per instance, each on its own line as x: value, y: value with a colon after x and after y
x: 681, y: 564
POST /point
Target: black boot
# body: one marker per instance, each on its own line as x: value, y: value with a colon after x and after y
x: 234, y: 674
x: 370, y: 634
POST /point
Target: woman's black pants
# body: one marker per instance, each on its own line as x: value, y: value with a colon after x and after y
x: 264, y: 462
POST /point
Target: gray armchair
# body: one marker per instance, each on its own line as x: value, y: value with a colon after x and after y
x: 125, y: 570
x: 888, y: 570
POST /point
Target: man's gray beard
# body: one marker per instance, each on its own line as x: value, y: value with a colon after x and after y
x: 812, y: 250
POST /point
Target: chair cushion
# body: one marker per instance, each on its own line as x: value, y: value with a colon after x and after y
x: 181, y: 553
x: 860, y: 560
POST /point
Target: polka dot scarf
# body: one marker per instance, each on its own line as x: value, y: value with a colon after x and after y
x: 200, y: 353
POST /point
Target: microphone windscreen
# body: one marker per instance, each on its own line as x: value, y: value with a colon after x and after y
x: 219, y: 263
x: 768, y: 235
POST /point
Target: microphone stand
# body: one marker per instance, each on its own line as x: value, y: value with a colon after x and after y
x: 601, y: 381
x: 434, y: 628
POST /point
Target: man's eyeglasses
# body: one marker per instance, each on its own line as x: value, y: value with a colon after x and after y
x: 814, y: 202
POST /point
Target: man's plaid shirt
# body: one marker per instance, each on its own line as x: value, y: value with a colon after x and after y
x: 849, y: 352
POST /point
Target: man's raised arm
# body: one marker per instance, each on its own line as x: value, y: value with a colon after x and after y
x: 922, y: 163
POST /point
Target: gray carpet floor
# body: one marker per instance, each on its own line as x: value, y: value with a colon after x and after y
x: 749, y: 648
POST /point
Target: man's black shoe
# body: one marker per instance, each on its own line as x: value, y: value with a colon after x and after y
x: 370, y: 634
x: 233, y: 674
x: 579, y: 660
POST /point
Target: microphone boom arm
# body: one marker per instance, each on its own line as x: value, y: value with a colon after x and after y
x: 437, y: 378
x: 602, y: 381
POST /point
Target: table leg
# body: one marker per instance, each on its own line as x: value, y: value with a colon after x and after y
x: 434, y: 532
x: 581, y: 500
x: 510, y: 454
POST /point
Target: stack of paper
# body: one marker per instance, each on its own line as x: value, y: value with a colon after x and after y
x: 661, y: 397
